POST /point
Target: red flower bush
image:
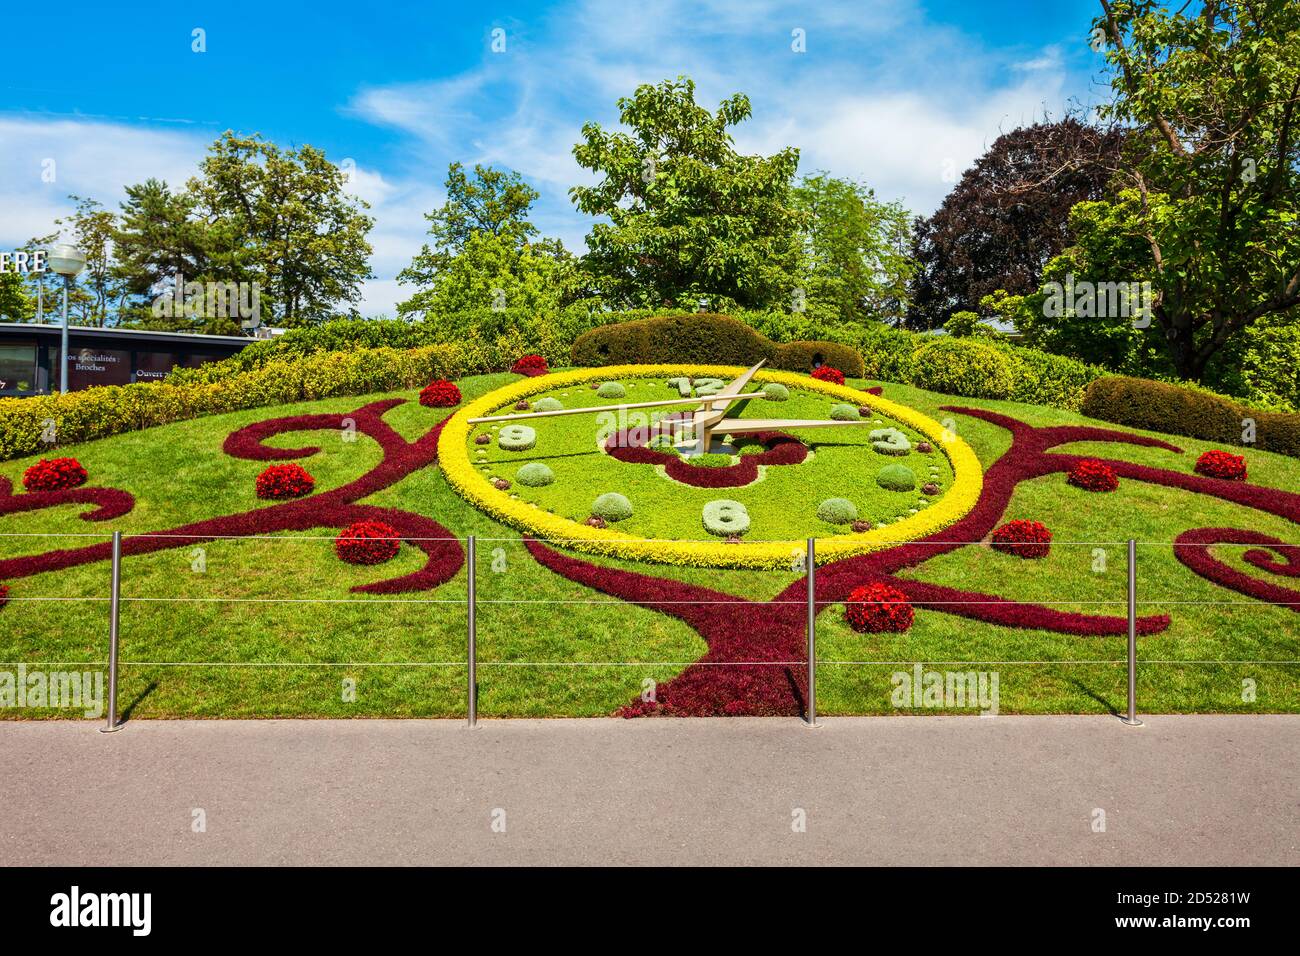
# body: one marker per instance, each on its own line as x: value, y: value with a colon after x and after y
x: 284, y: 481
x: 876, y: 607
x: 825, y: 373
x: 367, y: 542
x: 1093, y: 475
x: 1026, y: 539
x: 530, y: 365
x: 440, y: 393
x: 1220, y: 464
x: 54, y: 474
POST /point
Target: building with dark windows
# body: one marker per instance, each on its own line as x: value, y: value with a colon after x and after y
x: 29, y: 356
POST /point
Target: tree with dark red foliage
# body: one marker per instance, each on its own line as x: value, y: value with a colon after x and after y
x: 1007, y: 216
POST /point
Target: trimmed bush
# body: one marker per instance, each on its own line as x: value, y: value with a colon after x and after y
x: 534, y: 475
x: 806, y: 356
x: 1221, y: 464
x: 1025, y: 539
x: 612, y: 507
x: 530, y: 365
x: 878, y: 607
x: 964, y: 368
x: 54, y: 474
x: 725, y: 518
x: 279, y: 482
x: 889, y: 441
x: 367, y: 542
x: 1178, y: 410
x: 548, y: 405
x: 440, y: 394
x: 704, y: 337
x: 516, y: 438
x: 896, y: 478
x: 775, y: 392
x: 843, y: 412
x: 105, y: 410
x: 1093, y: 475
x: 837, y: 511
x: 611, y: 390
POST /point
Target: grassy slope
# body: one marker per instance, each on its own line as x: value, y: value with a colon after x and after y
x: 178, y: 472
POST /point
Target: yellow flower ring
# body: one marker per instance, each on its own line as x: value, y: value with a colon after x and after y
x: 453, y: 454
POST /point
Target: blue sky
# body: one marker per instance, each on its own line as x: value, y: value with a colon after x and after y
x: 901, y: 95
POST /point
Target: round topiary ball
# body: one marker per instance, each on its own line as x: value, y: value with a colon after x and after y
x: 725, y: 518
x: 547, y: 405
x: 612, y: 507
x: 516, y: 438
x: 611, y: 390
x: 924, y: 447
x: 844, y: 412
x: 534, y: 475
x: 775, y: 392
x: 896, y: 478
x: 837, y: 510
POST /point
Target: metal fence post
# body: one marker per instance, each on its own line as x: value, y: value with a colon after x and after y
x: 1132, y: 718
x: 114, y: 619
x: 473, y: 631
x: 812, y: 632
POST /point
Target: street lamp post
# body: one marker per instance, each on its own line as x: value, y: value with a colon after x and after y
x: 67, y: 261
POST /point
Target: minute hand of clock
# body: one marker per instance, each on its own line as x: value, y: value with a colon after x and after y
x: 744, y: 426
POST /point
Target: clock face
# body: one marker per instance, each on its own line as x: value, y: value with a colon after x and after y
x: 637, y: 481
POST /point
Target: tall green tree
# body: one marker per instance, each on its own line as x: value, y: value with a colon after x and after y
x: 484, y: 254
x: 160, y: 241
x: 15, y: 304
x: 282, y: 218
x: 1208, y: 206
x: 93, y: 299
x: 689, y: 218
x: 857, y: 261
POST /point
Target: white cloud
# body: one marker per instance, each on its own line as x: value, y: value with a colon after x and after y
x: 882, y: 95
x: 90, y: 158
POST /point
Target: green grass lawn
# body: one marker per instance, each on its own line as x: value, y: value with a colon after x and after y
x: 549, y: 647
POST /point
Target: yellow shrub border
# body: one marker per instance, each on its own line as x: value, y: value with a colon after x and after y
x: 469, y: 483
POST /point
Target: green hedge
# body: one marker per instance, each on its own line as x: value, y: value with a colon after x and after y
x: 504, y: 335
x: 1195, y: 413
x: 114, y: 409
x: 708, y: 338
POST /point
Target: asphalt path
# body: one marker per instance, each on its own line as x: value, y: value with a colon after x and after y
x: 1195, y: 790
